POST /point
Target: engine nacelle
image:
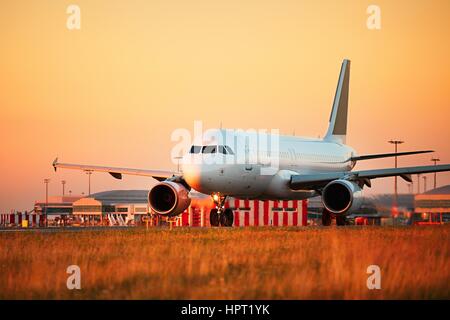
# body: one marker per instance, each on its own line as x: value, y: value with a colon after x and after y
x: 169, y: 198
x: 342, y: 196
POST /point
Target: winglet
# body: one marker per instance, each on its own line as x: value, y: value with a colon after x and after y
x: 337, y: 129
x: 55, y: 162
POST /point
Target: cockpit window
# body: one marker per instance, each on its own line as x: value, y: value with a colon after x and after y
x: 230, y: 151
x: 209, y: 149
x: 195, y: 149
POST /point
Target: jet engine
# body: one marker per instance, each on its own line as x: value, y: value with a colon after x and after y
x: 342, y: 196
x: 169, y: 198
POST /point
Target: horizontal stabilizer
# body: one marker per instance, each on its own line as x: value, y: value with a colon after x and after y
x: 387, y: 155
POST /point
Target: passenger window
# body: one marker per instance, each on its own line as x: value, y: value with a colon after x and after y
x: 222, y: 150
x: 195, y: 149
x: 209, y: 149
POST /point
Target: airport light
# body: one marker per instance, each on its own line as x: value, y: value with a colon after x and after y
x: 89, y: 172
x: 46, y: 182
x: 63, y: 182
x: 395, y: 143
x: 435, y: 160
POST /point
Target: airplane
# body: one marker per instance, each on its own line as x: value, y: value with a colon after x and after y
x: 307, y: 167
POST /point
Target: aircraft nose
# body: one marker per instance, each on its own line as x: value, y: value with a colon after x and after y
x: 192, y: 174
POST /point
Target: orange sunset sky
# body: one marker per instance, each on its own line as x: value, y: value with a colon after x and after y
x: 113, y: 92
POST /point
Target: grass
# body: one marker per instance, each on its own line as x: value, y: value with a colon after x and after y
x: 237, y: 263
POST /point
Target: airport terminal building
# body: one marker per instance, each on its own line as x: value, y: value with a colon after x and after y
x: 117, y: 207
x: 434, y: 205
x: 121, y: 207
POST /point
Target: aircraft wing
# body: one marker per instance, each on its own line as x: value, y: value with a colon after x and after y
x: 317, y: 181
x: 387, y: 155
x: 116, y: 172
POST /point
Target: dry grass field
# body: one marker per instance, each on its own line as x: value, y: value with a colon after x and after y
x: 263, y: 263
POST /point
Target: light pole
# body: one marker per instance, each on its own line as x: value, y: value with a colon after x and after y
x: 46, y: 181
x: 424, y: 184
x: 418, y: 183
x: 89, y: 172
x: 435, y: 160
x: 63, y: 182
x: 178, y: 162
x: 395, y: 143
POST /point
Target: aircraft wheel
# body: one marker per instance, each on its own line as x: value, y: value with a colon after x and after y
x: 214, y: 218
x: 226, y: 219
x: 326, y: 218
x: 341, y: 220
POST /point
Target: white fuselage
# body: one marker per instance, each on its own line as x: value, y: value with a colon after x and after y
x: 244, y: 173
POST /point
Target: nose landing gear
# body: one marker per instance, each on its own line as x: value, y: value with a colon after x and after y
x: 220, y: 215
x: 214, y: 218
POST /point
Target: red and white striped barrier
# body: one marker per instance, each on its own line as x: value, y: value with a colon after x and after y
x: 251, y: 213
x: 7, y: 219
x: 268, y: 213
x: 4, y: 219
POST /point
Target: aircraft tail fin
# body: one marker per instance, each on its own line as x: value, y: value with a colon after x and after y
x: 337, y: 129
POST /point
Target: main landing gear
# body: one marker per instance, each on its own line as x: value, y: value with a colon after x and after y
x: 220, y: 215
x: 327, y: 217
